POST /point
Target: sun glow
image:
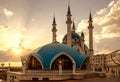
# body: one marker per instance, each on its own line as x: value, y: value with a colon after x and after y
x: 17, y: 51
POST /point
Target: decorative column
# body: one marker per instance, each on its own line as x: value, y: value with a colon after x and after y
x: 60, y: 67
x: 74, y: 67
x: 23, y: 67
x: 93, y: 68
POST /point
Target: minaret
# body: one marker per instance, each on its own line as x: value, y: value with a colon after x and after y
x: 54, y: 30
x: 73, y: 28
x: 82, y: 40
x: 91, y: 51
x: 90, y: 27
x: 69, y: 22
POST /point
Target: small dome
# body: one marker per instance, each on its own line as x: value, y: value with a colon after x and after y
x: 49, y: 52
x: 74, y: 35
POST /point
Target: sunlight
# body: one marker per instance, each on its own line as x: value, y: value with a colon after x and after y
x: 17, y: 51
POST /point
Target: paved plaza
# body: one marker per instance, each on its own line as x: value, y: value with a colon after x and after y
x: 97, y: 80
x: 112, y: 79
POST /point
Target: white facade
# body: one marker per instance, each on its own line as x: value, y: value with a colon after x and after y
x: 111, y: 67
x: 45, y: 75
x: 107, y: 63
x: 99, y: 62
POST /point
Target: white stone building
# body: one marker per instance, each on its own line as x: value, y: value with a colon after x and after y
x: 109, y: 63
x: 99, y: 62
x: 113, y: 64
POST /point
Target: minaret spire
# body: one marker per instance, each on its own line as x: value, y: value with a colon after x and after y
x: 82, y: 40
x: 54, y: 21
x: 82, y: 34
x: 69, y: 11
x: 69, y: 22
x: 54, y: 30
x: 90, y: 16
x: 73, y: 28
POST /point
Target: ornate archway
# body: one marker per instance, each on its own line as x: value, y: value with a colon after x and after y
x: 33, y: 63
x: 66, y: 63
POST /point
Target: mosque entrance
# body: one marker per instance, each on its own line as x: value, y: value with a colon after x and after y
x: 34, y: 64
x: 65, y: 61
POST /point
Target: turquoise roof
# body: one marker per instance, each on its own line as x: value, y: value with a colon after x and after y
x: 74, y: 35
x: 48, y: 52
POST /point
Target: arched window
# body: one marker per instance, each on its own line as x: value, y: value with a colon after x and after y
x: 66, y: 63
x: 85, y: 64
x: 34, y: 64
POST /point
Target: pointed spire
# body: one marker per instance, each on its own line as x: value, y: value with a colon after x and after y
x: 82, y: 34
x: 90, y: 16
x: 90, y: 21
x: 54, y: 30
x: 54, y: 21
x: 73, y: 26
x: 69, y: 11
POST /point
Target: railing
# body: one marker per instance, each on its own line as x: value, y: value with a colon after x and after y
x: 3, y: 69
x: 43, y: 72
x: 82, y: 71
x: 54, y: 72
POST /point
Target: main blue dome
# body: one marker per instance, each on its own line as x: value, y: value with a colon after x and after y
x: 74, y: 35
x: 47, y: 53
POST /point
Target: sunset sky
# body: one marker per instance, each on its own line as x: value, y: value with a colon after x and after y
x: 30, y: 21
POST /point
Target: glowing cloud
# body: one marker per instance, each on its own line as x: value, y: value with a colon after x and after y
x: 8, y: 12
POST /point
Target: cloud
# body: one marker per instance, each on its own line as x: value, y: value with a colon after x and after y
x: 3, y: 28
x: 106, y: 28
x: 111, y: 3
x: 8, y: 12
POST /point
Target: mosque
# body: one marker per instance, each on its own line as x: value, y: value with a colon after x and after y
x: 70, y: 59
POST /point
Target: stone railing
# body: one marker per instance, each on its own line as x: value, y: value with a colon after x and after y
x: 48, y: 72
x: 82, y: 71
x: 54, y: 72
x: 42, y: 72
x: 67, y: 71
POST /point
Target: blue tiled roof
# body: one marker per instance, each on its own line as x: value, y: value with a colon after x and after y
x: 48, y: 52
x: 74, y: 35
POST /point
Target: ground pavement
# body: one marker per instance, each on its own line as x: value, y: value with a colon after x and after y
x: 112, y: 79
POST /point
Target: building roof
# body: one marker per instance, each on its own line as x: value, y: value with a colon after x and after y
x: 74, y: 35
x: 47, y: 53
